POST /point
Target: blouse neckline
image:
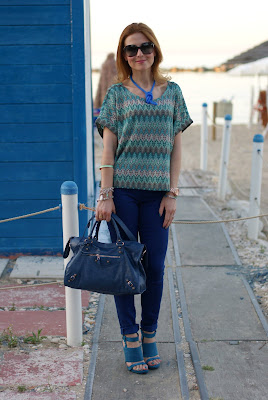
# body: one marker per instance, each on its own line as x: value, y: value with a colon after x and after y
x: 136, y: 95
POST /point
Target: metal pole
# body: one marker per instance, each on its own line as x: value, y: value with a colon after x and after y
x: 255, y: 186
x: 204, y: 139
x: 225, y: 149
x: 70, y: 226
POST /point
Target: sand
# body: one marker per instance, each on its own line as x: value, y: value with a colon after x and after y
x: 239, y: 168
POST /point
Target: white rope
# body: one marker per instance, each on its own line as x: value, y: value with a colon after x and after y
x: 29, y: 215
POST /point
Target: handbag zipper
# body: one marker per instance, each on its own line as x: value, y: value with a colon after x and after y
x: 98, y: 256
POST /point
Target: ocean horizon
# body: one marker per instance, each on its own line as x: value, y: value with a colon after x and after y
x: 209, y: 87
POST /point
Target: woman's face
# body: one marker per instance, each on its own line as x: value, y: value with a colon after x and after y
x: 141, y: 61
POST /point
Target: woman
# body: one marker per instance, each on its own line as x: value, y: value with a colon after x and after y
x: 141, y: 121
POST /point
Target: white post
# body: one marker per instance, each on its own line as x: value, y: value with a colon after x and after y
x: 70, y: 226
x: 255, y: 186
x: 225, y: 149
x: 204, y: 139
x: 251, y: 107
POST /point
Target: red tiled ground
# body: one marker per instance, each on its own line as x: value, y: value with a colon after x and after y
x: 11, y: 395
x: 47, y: 296
x: 42, y: 367
x: 24, y: 322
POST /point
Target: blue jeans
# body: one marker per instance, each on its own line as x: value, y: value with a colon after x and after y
x: 139, y: 210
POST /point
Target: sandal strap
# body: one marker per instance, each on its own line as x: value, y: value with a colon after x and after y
x: 152, y: 358
x: 130, y: 339
x: 149, y: 349
x: 148, y: 335
x: 135, y: 364
x: 133, y: 354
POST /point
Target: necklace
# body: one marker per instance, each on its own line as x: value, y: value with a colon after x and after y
x: 149, y: 95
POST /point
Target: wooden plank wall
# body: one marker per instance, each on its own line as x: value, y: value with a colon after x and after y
x: 36, y: 123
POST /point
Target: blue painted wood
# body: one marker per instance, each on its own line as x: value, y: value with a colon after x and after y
x: 40, y: 34
x: 42, y: 108
x: 35, y: 74
x: 37, y: 54
x: 36, y: 171
x: 79, y: 110
x: 28, y: 152
x: 35, y: 15
x: 31, y: 228
x: 35, y: 133
x: 13, y: 208
x: 31, y: 190
x: 36, y: 245
x: 33, y: 2
x: 56, y: 93
x: 35, y: 113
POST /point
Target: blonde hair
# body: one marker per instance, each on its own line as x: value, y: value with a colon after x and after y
x: 123, y: 68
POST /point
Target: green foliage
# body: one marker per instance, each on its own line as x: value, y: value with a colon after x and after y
x: 34, y: 339
x: 22, y: 388
x: 8, y: 337
x: 207, y: 368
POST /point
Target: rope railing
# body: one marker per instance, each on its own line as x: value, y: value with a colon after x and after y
x: 82, y: 207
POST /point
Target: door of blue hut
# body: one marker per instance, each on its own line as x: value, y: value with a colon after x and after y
x: 43, y: 120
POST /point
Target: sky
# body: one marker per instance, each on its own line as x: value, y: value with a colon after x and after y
x: 191, y: 33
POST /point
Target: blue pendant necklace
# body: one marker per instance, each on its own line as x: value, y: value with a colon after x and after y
x: 149, y: 95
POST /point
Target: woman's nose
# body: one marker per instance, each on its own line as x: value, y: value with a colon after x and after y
x: 140, y: 53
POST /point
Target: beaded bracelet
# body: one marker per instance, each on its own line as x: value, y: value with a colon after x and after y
x: 106, y: 190
x: 106, y: 166
x: 171, y: 197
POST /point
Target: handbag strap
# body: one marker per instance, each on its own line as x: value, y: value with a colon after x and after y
x: 123, y: 227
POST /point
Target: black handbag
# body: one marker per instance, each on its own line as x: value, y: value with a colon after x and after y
x: 110, y: 268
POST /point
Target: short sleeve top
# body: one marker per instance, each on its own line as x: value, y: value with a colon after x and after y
x: 145, y: 134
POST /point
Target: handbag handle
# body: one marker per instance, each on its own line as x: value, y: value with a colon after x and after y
x: 116, y: 221
x: 123, y: 227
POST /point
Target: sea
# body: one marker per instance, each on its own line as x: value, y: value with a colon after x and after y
x: 209, y: 87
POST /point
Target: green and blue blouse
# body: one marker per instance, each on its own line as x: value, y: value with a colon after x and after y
x: 145, y: 135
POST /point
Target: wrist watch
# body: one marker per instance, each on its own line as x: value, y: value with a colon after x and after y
x: 175, y: 191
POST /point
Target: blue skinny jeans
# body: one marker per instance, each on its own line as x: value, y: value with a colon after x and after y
x: 139, y: 210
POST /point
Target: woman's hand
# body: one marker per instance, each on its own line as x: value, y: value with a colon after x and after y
x: 104, y: 210
x: 169, y: 205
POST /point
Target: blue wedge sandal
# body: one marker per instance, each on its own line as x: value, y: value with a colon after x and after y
x: 150, y: 350
x: 133, y: 355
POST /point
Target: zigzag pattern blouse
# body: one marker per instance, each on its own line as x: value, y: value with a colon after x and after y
x: 145, y: 134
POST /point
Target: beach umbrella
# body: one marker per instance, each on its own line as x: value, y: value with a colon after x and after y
x: 259, y: 67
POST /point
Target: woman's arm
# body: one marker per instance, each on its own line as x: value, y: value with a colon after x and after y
x: 168, y: 204
x: 106, y: 207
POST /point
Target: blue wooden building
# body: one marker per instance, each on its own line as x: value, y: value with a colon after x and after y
x: 45, y: 118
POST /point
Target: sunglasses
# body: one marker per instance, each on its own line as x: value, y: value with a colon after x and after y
x: 132, y: 50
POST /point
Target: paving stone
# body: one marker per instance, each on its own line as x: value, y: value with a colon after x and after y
x: 24, y: 322
x: 203, y: 244
x: 38, y: 267
x: 3, y: 263
x: 11, y: 395
x: 109, y: 383
x: 46, y: 295
x: 219, y: 306
x: 240, y: 372
x: 42, y: 367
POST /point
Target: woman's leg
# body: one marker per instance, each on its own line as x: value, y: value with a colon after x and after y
x: 127, y: 209
x: 155, y: 237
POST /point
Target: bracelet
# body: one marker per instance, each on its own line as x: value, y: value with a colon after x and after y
x: 102, y: 198
x: 106, y: 166
x: 175, y: 191
x: 106, y: 190
x: 171, y: 197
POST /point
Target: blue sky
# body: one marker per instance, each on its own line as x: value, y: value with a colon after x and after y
x: 191, y: 33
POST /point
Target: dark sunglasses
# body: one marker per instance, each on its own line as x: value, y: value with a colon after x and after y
x: 132, y: 50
